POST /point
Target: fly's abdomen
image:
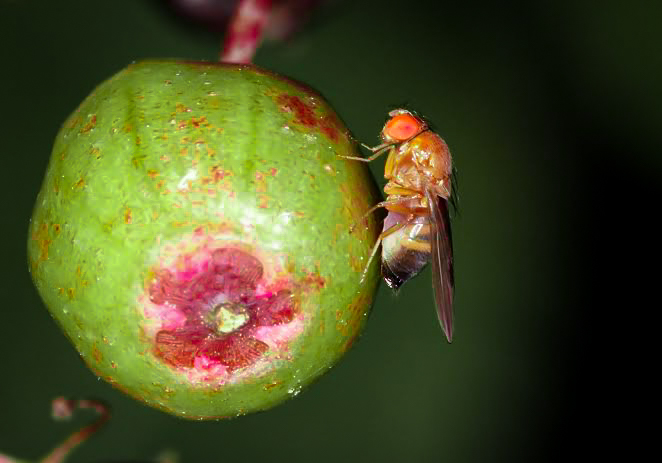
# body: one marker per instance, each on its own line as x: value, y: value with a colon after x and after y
x: 406, y: 251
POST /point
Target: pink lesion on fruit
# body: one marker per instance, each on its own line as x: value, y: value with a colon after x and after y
x: 216, y: 311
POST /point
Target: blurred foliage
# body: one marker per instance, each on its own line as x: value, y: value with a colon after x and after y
x: 551, y: 110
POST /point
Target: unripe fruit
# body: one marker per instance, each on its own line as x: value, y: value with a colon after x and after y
x: 192, y: 236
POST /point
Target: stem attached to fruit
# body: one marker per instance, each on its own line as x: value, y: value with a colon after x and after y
x: 63, y: 409
x: 245, y: 31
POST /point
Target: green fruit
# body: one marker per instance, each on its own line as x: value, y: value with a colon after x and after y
x: 192, y: 236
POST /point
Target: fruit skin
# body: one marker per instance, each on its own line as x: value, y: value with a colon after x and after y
x: 167, y: 155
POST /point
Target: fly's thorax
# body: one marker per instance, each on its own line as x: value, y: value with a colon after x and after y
x: 421, y: 163
x: 406, y: 251
x: 431, y: 153
x: 404, y: 171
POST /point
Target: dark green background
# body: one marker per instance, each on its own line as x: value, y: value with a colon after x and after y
x: 552, y: 111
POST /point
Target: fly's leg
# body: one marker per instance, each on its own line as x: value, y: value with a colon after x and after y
x: 376, y: 150
x: 382, y: 235
x: 408, y: 221
x: 388, y: 202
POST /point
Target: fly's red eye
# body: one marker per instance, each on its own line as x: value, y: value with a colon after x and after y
x: 403, y: 127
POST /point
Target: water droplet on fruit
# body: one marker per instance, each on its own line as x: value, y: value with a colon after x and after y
x: 294, y: 391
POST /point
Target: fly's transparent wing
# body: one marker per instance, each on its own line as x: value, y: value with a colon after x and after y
x: 442, y: 260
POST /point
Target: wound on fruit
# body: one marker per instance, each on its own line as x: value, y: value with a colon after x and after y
x: 220, y: 311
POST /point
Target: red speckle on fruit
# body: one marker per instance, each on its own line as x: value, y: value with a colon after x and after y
x: 269, y: 386
x: 197, y: 122
x: 260, y: 182
x: 217, y: 174
x: 97, y: 354
x: 181, y: 108
x: 305, y: 115
x: 330, y: 132
x: 41, y: 236
x: 73, y: 122
x: 315, y: 280
x: 90, y: 125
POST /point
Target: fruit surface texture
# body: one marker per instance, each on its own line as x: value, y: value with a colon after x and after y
x: 191, y: 236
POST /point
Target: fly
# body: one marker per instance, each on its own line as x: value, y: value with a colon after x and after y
x: 417, y: 227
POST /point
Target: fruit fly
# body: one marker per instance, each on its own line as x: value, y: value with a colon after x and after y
x: 417, y: 226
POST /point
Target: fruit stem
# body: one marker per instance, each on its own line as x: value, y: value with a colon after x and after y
x: 245, y: 31
x: 63, y: 409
